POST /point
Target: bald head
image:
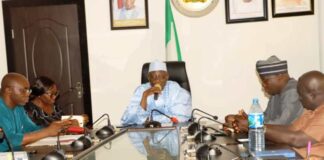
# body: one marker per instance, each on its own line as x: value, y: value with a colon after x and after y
x: 11, y: 79
x: 15, y: 89
x: 311, y: 89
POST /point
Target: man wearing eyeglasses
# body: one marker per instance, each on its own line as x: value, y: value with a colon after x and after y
x: 16, y: 124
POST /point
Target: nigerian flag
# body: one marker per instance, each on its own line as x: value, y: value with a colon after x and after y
x: 173, y: 51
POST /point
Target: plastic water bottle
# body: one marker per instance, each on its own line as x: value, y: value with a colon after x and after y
x: 256, y: 130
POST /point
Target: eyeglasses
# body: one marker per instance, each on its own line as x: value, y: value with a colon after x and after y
x: 23, y: 90
x: 57, y: 93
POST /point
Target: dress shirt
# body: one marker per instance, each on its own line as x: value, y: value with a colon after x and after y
x: 15, y: 123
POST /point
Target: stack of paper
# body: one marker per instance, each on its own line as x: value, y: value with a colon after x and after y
x: 51, y: 141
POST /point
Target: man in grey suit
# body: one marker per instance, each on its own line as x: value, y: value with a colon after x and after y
x: 284, y: 105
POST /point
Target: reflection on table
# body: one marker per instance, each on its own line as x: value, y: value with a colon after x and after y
x: 137, y: 144
x: 171, y: 143
x: 156, y: 145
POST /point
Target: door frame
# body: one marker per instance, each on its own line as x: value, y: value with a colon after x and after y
x: 7, y: 4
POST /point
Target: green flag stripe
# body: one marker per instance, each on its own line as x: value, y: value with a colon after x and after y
x: 177, y: 43
x: 168, y: 20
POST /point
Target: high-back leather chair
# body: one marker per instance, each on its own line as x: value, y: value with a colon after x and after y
x: 177, y: 72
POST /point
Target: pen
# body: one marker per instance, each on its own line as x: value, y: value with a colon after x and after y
x: 228, y: 144
x: 309, y: 145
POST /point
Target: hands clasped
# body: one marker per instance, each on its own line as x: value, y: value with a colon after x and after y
x: 58, y: 126
x: 239, y: 122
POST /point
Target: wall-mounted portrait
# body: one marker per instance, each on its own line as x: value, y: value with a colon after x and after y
x: 284, y: 8
x: 246, y: 10
x: 128, y: 14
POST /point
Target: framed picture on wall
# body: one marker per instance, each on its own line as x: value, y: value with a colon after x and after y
x: 246, y: 10
x: 128, y: 14
x: 284, y: 8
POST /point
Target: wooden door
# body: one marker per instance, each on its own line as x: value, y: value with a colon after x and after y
x: 48, y: 38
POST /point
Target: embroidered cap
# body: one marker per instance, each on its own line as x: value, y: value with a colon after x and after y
x: 157, y: 66
x: 273, y: 65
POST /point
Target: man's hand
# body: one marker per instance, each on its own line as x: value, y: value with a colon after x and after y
x: 85, y: 118
x: 227, y: 126
x: 155, y: 89
x: 241, y: 124
x: 243, y: 114
x: 56, y: 127
x: 52, y: 130
x: 230, y: 121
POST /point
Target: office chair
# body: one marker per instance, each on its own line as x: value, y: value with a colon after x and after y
x: 177, y: 72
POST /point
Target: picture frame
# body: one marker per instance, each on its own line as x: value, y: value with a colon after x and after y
x: 128, y: 14
x: 238, y: 11
x: 285, y: 8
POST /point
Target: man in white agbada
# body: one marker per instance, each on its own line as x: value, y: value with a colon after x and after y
x: 172, y: 99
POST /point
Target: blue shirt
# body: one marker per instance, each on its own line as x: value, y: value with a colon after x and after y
x: 15, y: 123
x: 173, y: 101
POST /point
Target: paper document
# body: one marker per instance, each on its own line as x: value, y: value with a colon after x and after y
x: 79, y: 118
x: 21, y: 155
x: 51, y: 141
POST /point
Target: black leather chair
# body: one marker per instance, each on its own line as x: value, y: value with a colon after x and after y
x: 177, y: 72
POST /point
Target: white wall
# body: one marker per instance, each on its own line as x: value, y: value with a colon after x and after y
x: 220, y: 57
x: 3, y: 56
x: 321, y: 30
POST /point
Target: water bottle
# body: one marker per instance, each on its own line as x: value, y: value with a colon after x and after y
x: 256, y: 130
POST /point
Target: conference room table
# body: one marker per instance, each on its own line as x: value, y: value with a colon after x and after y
x: 165, y: 143
x: 168, y: 143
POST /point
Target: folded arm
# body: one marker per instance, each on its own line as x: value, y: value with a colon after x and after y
x: 284, y: 134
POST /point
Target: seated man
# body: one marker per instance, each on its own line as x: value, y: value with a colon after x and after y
x: 309, y: 126
x: 284, y: 105
x: 17, y: 126
x: 171, y: 98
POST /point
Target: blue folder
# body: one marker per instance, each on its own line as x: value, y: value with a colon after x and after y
x: 275, y: 153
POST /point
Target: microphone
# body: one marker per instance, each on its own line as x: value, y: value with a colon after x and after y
x: 58, y: 153
x: 194, y: 127
x: 105, y: 131
x: 192, y: 119
x: 82, y: 142
x: 205, y: 151
x: 156, y: 95
x: 155, y: 124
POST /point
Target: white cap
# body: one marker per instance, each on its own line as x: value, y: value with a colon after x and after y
x: 157, y: 66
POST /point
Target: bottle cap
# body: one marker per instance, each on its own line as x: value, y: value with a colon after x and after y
x: 255, y: 101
